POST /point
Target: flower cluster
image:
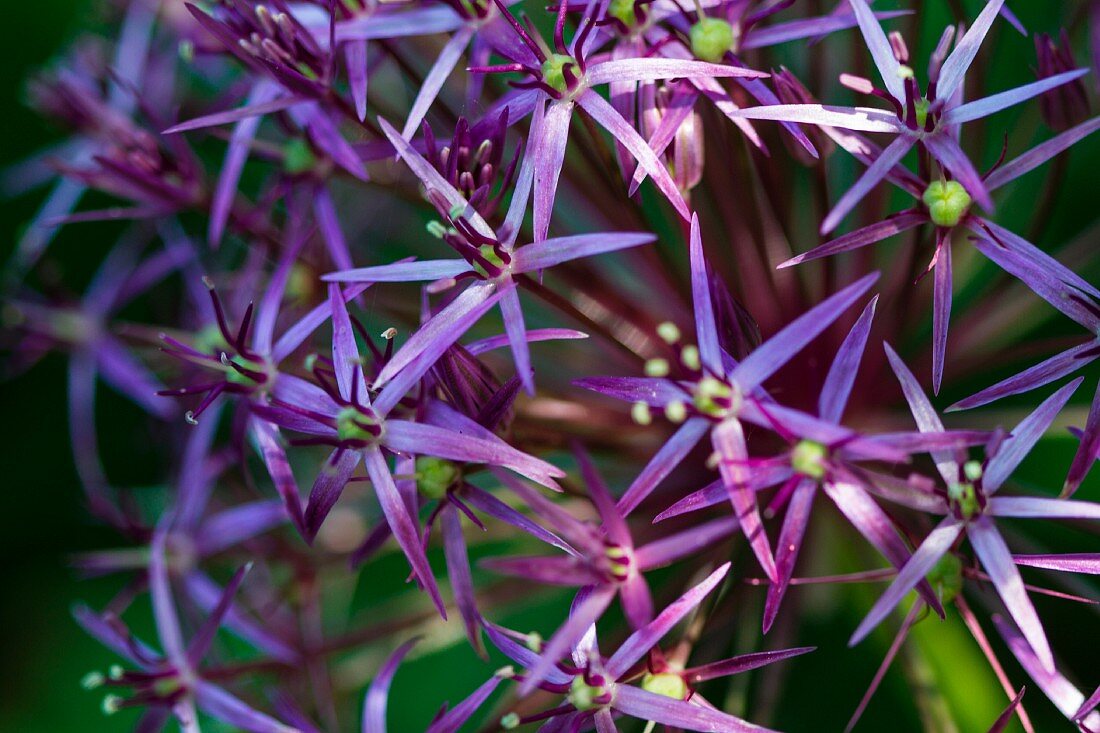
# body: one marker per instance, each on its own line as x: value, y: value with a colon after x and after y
x: 515, y: 287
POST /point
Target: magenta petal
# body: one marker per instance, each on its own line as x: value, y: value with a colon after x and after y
x: 550, y: 252
x: 549, y: 156
x: 458, y: 571
x: 865, y: 119
x: 928, y: 421
x: 955, y: 66
x: 497, y: 509
x: 781, y: 348
x: 995, y: 557
x: 417, y: 270
x: 742, y: 663
x: 1040, y: 154
x: 403, y: 527
x: 790, y: 541
x: 345, y: 352
x: 728, y: 439
x: 293, y: 337
x: 456, y: 717
x: 265, y: 436
x: 331, y: 479
x: 653, y: 69
x: 706, y: 330
x: 1083, y: 562
x: 564, y: 571
x: 580, y: 618
x: 941, y: 311
x: 878, y: 170
x: 444, y: 64
x: 669, y: 549
x: 1028, y: 507
x: 514, y: 327
x: 947, y: 151
x: 653, y: 391
x: 235, y: 115
x: 643, y: 705
x: 645, y: 638
x: 374, y: 704
x: 934, y: 547
x: 603, y: 113
x: 996, y: 102
x: 842, y: 373
x: 1024, y: 437
x: 204, y: 637
x: 1087, y: 450
x: 662, y: 464
x: 883, y: 54
x: 355, y: 56
x: 220, y: 704
x: 1061, y: 692
x: 893, y: 224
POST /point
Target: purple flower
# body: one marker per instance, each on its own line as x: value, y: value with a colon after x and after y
x: 930, y: 118
x: 969, y: 500
x: 711, y: 393
x: 945, y: 204
x: 493, y: 264
x: 597, y: 688
x: 170, y: 683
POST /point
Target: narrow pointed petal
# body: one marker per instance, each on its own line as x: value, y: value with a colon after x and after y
x: 1024, y: 437
x: 355, y: 56
x: 706, y: 330
x: 374, y: 704
x: 879, y: 46
x: 882, y: 166
x: 955, y: 66
x: 995, y: 557
x: 423, y: 348
x: 164, y: 608
x: 675, y: 449
x: 403, y: 527
x: 604, y: 114
x: 429, y: 89
x: 1042, y: 261
x: 842, y: 374
x: 293, y: 337
x: 1008, y: 714
x: 456, y: 717
x: 221, y: 531
x: 996, y: 102
x: 787, y: 546
x: 653, y: 69
x: 514, y: 327
x: 266, y: 438
x: 742, y: 663
x: 1030, y: 507
x: 871, y: 234
x: 521, y: 654
x: 218, y: 703
x: 236, y: 115
x: 1040, y: 154
x: 550, y: 252
x: 728, y: 439
x: 1083, y: 562
x: 947, y: 151
x: 419, y: 270
x: 934, y: 547
x: 669, y: 549
x: 549, y: 152
x: 564, y: 571
x: 458, y: 571
x: 816, y: 26
x: 403, y: 436
x: 204, y: 637
x: 431, y: 178
x: 941, y: 312
x: 330, y: 483
x: 780, y: 348
x: 1087, y: 450
x: 863, y: 119
x: 534, y: 335
x: 928, y: 421
x: 109, y: 635
x: 494, y: 507
x: 1058, y: 689
x: 575, y: 626
x: 643, y: 705
x: 875, y: 525
x: 655, y: 392
x: 1034, y: 377
x: 645, y: 638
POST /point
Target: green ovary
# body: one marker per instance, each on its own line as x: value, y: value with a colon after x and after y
x: 583, y: 696
x: 947, y: 202
x: 351, y: 426
x: 946, y: 577
x: 623, y: 11
x: 434, y: 476
x: 965, y: 498
x: 667, y: 684
x: 808, y: 458
x: 711, y: 38
x: 553, y: 71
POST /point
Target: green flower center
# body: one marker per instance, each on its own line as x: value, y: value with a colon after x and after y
x: 808, y: 459
x: 946, y: 577
x: 711, y: 38
x: 714, y: 397
x: 355, y: 426
x: 668, y: 684
x: 553, y: 71
x: 964, y: 498
x: 921, y: 106
x: 947, y: 202
x: 584, y: 696
x: 488, y: 252
x: 257, y: 372
x: 618, y: 562
x: 434, y: 476
x: 623, y: 11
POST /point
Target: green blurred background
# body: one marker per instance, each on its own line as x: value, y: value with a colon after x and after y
x: 43, y: 654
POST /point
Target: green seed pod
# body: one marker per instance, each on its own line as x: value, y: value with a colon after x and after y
x: 711, y: 38
x: 947, y: 202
